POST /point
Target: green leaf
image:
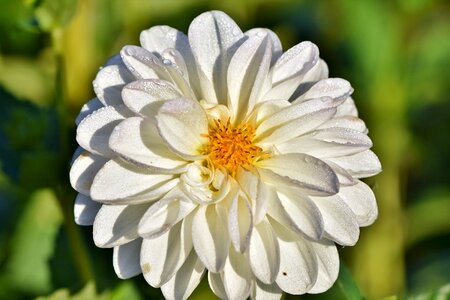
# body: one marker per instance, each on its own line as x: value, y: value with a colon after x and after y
x: 437, y: 294
x: 52, y: 14
x: 88, y: 292
x: 32, y: 244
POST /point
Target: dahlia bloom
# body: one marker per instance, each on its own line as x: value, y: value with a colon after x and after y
x: 216, y: 153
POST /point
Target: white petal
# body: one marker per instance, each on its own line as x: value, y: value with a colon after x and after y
x: 83, y: 171
x: 295, y: 61
x: 344, y: 177
x: 85, y: 210
x: 94, y: 131
x: 277, y: 48
x: 359, y: 165
x: 256, y: 191
x: 214, y: 37
x: 146, y: 96
x: 216, y: 285
x: 266, y: 291
x: 240, y: 223
x: 335, y: 88
x: 349, y: 122
x: 236, y: 276
x: 140, y: 62
x: 110, y: 80
x: 328, y: 263
x: 116, y: 225
x: 181, y: 123
x: 291, y: 113
x: 163, y: 256
x: 247, y: 73
x: 347, y: 108
x: 264, y: 253
x: 330, y: 142
x: 210, y: 237
x: 137, y: 140
x: 165, y: 213
x: 339, y: 221
x: 298, y: 267
x: 316, y: 73
x: 298, y: 213
x: 361, y: 200
x: 126, y: 259
x: 118, y: 182
x: 300, y: 170
x: 181, y: 286
x: 88, y: 109
x: 299, y: 126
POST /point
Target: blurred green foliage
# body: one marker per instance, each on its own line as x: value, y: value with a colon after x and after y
x: 396, y: 54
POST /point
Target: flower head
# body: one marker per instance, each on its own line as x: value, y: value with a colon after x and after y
x: 216, y: 152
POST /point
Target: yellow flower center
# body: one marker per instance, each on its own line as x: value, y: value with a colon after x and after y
x: 230, y: 147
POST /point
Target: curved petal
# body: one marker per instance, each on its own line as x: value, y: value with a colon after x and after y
x: 165, y: 213
x: 350, y: 122
x: 118, y: 182
x: 298, y: 265
x: 163, y: 256
x: 347, y: 108
x: 240, y: 223
x: 335, y: 88
x: 83, y: 170
x: 339, y: 221
x: 85, y: 210
x: 146, y: 96
x: 140, y: 62
x: 266, y: 291
x: 316, y: 176
x: 298, y: 213
x: 277, y: 48
x: 110, y: 80
x: 137, y: 140
x: 88, y: 109
x: 361, y: 200
x: 247, y: 73
x: 328, y: 265
x: 216, y: 285
x: 116, y: 225
x: 236, y: 276
x: 182, y: 123
x: 126, y: 259
x: 94, y: 131
x: 181, y: 286
x: 214, y: 37
x: 256, y: 191
x: 264, y: 253
x: 210, y: 237
x: 359, y: 165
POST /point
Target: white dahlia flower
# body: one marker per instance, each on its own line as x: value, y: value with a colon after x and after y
x: 218, y: 153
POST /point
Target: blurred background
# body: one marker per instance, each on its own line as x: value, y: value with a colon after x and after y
x: 395, y: 53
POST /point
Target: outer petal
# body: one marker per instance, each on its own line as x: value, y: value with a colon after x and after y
x: 118, y: 182
x: 256, y: 191
x: 240, y: 223
x: 264, y: 253
x: 145, y: 97
x: 214, y: 37
x: 110, y: 80
x: 277, y: 48
x: 339, y: 221
x: 163, y: 256
x: 181, y: 123
x: 359, y: 165
x: 266, y: 291
x: 165, y: 213
x: 94, y: 131
x: 350, y: 122
x: 361, y: 200
x: 185, y: 280
x: 247, y: 73
x: 83, y: 171
x: 236, y: 276
x: 315, y: 176
x: 298, y: 264
x: 210, y: 237
x: 116, y: 225
x: 335, y: 88
x: 216, y: 285
x: 141, y: 63
x: 126, y: 259
x: 85, y: 210
x: 137, y: 140
x: 88, y: 109
x: 328, y: 263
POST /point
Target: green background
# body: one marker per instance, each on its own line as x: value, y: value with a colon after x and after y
x: 395, y: 53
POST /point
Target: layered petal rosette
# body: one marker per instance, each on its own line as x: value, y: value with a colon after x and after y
x: 216, y: 153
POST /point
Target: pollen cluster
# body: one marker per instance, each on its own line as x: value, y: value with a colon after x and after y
x: 230, y: 147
